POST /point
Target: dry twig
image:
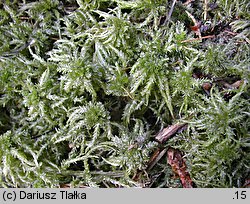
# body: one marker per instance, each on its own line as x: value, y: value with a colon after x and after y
x: 166, y: 133
x: 197, y: 39
x: 196, y: 24
x: 158, y: 154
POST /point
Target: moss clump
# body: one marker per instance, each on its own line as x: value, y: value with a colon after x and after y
x: 85, y: 85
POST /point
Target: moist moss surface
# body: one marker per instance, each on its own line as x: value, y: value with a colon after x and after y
x: 86, y: 85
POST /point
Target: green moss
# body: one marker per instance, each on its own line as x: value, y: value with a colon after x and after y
x: 85, y: 85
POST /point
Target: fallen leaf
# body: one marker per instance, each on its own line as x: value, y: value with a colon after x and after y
x: 206, y: 87
x: 176, y: 161
x: 237, y: 84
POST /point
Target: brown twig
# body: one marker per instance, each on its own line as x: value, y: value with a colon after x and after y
x: 196, y: 24
x: 168, y: 132
x: 230, y: 32
x: 197, y: 39
x: 158, y: 154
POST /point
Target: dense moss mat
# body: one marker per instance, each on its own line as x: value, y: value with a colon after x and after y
x: 85, y: 85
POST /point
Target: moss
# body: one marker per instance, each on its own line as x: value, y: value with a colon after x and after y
x: 85, y: 85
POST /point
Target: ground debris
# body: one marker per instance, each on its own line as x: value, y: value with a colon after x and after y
x: 158, y: 154
x: 166, y: 133
x: 176, y: 161
x: 247, y: 183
